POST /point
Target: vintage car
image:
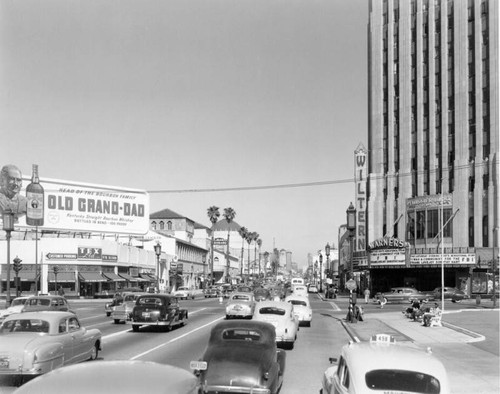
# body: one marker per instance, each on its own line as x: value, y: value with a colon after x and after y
x: 226, y: 290
x: 45, y: 303
x: 262, y: 294
x: 312, y: 289
x: 299, y: 290
x: 240, y: 305
x: 16, y: 306
x: 118, y: 299
x: 281, y: 315
x: 123, y: 312
x: 34, y: 343
x: 114, y: 377
x: 211, y: 292
x: 403, y: 295
x: 244, y: 289
x: 301, y: 309
x: 241, y: 357
x: 384, y: 366
x: 183, y: 293
x: 450, y: 293
x: 160, y: 310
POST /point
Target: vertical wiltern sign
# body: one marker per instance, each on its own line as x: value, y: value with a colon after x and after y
x: 360, y: 174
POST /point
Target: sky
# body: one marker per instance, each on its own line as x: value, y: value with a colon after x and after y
x: 185, y: 98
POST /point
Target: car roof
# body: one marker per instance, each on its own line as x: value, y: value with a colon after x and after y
x: 366, y: 356
x: 242, y: 294
x: 266, y: 329
x: 42, y: 315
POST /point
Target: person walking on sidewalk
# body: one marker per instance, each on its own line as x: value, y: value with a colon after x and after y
x: 367, y: 295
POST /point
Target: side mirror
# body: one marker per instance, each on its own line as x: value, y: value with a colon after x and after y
x: 333, y: 360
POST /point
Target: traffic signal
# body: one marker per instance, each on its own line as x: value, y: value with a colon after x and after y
x: 55, y: 269
x: 17, y: 264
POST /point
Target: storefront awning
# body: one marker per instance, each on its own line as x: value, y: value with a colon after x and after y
x: 91, y: 277
x: 24, y: 276
x: 114, y: 277
x: 128, y: 278
x: 148, y: 277
x: 62, y: 277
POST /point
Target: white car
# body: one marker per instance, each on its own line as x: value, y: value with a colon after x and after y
x: 301, y: 309
x: 123, y: 312
x: 300, y: 290
x: 280, y: 314
x: 384, y: 366
x: 313, y: 289
x: 183, y: 293
x: 240, y: 305
x: 16, y: 306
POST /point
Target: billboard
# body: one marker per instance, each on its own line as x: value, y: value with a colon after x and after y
x: 74, y: 206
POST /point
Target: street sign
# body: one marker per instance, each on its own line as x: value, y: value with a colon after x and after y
x: 351, y: 285
x: 220, y: 241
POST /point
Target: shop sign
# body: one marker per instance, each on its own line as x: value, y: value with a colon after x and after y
x: 85, y: 253
x: 465, y: 259
x: 425, y: 202
x: 388, y: 243
x: 61, y: 256
x: 220, y: 241
x: 387, y: 257
x: 360, y: 177
x: 109, y: 257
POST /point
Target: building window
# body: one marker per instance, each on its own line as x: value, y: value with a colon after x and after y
x: 162, y: 225
x: 153, y: 225
x: 169, y: 225
x: 471, y: 231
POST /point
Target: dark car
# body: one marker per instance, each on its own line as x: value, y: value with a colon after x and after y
x: 244, y: 289
x: 404, y: 294
x: 262, y: 294
x: 160, y: 310
x: 241, y: 357
x: 450, y: 293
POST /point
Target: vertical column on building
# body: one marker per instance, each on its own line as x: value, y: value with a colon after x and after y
x: 445, y: 108
x: 375, y: 217
x: 462, y: 169
x: 419, y: 100
x: 431, y: 64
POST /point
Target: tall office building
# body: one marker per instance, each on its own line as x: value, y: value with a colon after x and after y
x: 433, y: 127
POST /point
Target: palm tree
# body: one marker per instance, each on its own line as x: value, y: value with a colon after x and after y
x: 243, y: 233
x: 255, y: 239
x: 229, y: 215
x: 249, y: 239
x: 259, y: 243
x: 213, y: 214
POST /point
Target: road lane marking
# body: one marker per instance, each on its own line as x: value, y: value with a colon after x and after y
x: 176, y: 339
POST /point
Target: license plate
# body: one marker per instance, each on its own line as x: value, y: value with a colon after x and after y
x: 4, y: 363
x: 147, y: 315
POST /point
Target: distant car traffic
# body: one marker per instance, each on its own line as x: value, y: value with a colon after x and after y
x: 211, y: 292
x: 244, y: 289
x: 114, y: 377
x: 384, y: 366
x: 281, y: 315
x: 34, y: 343
x: 312, y: 289
x: 450, y: 293
x: 16, y: 306
x: 241, y: 357
x: 118, y: 299
x: 123, y: 312
x: 161, y: 310
x: 300, y: 290
x: 183, y: 293
x: 404, y: 294
x: 45, y: 303
x: 261, y: 294
x: 240, y: 305
x: 301, y: 309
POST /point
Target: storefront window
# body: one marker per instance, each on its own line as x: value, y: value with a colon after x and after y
x: 479, y: 283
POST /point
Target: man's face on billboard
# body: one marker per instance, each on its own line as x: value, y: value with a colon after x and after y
x: 11, y: 182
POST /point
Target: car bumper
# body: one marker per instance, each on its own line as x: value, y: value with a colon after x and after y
x: 234, y: 389
x: 149, y: 323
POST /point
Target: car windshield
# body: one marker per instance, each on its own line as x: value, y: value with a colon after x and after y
x: 182, y: 288
x: 401, y: 380
x: 298, y: 302
x: 18, y: 301
x: 272, y: 311
x: 241, y: 335
x: 130, y: 297
x: 149, y: 301
x: 24, y: 325
x: 39, y: 301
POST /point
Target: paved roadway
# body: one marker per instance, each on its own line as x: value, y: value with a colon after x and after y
x: 467, y: 344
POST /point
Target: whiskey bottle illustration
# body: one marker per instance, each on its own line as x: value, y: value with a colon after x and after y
x: 34, y: 193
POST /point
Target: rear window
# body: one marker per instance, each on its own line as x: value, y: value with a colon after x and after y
x: 149, y: 301
x: 272, y: 311
x: 401, y: 380
x: 39, y: 301
x: 241, y: 297
x: 297, y: 302
x: 241, y: 335
x: 25, y: 325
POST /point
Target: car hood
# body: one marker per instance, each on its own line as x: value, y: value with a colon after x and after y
x: 227, y: 367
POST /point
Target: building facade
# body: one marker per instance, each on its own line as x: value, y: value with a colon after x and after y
x: 433, y: 139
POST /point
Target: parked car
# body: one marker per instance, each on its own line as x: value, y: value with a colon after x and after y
x: 280, y: 314
x: 301, y: 309
x: 384, y: 366
x: 45, y: 303
x: 161, y: 310
x: 34, y: 343
x: 123, y: 312
x: 16, y: 306
x: 241, y: 357
x: 261, y: 294
x: 114, y: 377
x: 450, y: 293
x: 118, y: 299
x: 404, y: 294
x: 240, y: 305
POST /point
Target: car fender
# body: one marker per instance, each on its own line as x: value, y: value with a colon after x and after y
x: 49, y: 356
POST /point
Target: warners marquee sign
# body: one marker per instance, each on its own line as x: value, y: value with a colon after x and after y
x: 388, y: 243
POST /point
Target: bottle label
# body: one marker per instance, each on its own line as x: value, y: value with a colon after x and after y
x: 35, y: 205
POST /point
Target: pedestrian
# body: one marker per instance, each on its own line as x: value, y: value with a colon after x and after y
x: 367, y: 295
x: 382, y: 300
x: 61, y: 291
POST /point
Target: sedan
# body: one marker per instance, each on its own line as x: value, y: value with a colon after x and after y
x: 281, y: 315
x: 160, y: 310
x: 404, y: 294
x: 241, y: 357
x: 16, y: 306
x: 240, y: 305
x: 312, y: 289
x: 45, y: 303
x: 183, y: 293
x: 34, y: 343
x: 450, y: 293
x: 301, y: 309
x: 123, y: 312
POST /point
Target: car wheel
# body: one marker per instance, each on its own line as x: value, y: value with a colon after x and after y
x: 135, y: 328
x: 117, y: 321
x: 291, y: 345
x: 108, y: 314
x: 95, y: 352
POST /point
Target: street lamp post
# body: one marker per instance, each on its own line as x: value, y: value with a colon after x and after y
x: 17, y: 267
x: 320, y: 272
x: 351, y: 227
x: 56, y: 271
x: 158, y: 253
x: 327, y: 252
x: 8, y: 227
x: 204, y: 262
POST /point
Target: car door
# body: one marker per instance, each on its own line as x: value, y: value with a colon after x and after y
x: 81, y: 344
x: 66, y: 340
